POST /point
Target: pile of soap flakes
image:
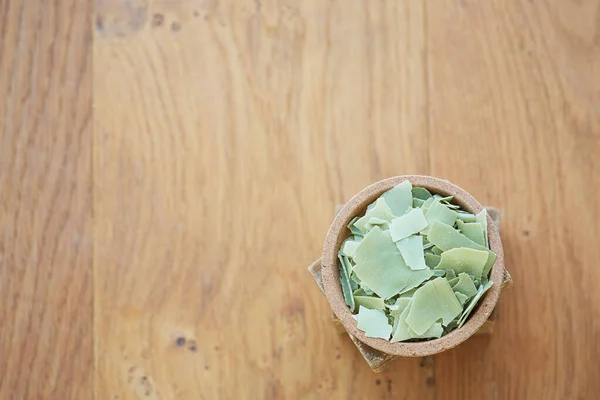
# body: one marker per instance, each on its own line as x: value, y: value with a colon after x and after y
x: 415, y: 265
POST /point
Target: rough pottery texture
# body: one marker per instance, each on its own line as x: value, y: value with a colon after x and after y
x: 331, y: 279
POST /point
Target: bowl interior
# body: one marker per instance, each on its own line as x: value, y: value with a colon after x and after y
x: 338, y: 232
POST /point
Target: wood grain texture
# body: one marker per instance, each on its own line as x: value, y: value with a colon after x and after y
x: 46, y: 200
x: 221, y: 147
x: 162, y: 253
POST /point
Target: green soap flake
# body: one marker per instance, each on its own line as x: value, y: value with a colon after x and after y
x: 373, y: 221
x: 374, y: 323
x: 366, y: 289
x: 451, y: 206
x: 358, y: 238
x: 399, y: 199
x: 439, y: 197
x: 433, y: 301
x: 346, y: 290
x: 436, y: 331
x: 408, y: 293
x: 349, y: 246
x: 345, y: 263
x: 420, y: 193
x: 465, y: 216
x: 488, y: 265
x: 380, y: 266
x: 450, y: 274
x: 481, y: 217
x: 417, y: 203
x: 354, y: 229
x: 446, y: 237
x: 411, y: 249
x: 379, y: 210
x: 402, y: 331
x: 452, y: 281
x: 463, y: 259
x: 408, y: 224
x: 427, y: 245
x: 353, y: 277
x: 432, y: 260
x: 438, y: 212
x: 359, y: 292
x: 399, y: 306
x: 465, y: 285
x: 451, y: 326
x: 374, y: 303
x: 473, y: 303
x: 472, y: 230
x: 462, y: 299
x: 377, y: 221
x: 427, y: 203
x: 436, y: 250
x: 416, y: 278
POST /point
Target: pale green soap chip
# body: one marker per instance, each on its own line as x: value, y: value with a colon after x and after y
x: 417, y: 203
x: 439, y: 272
x: 464, y: 259
x: 452, y: 281
x: 373, y: 221
x: 410, y: 223
x: 432, y: 260
x: 462, y: 299
x: 420, y: 193
x: 411, y: 249
x: 346, y: 290
x: 465, y: 216
x: 438, y: 212
x: 359, y: 292
x: 481, y: 217
x: 354, y: 229
x: 380, y: 266
x: 436, y: 250
x: 374, y: 303
x: 349, y: 246
x: 472, y: 230
x: 473, y: 302
x: 450, y: 274
x: 465, y: 285
x: 402, y: 331
x: 399, y: 199
x: 379, y: 210
x: 427, y: 244
x: 345, y: 263
x: 374, y: 323
x: 436, y: 331
x: 366, y: 289
x: 439, y: 197
x: 400, y: 305
x: 408, y: 293
x: 433, y: 301
x: 451, y: 206
x: 446, y: 237
x: 416, y: 278
x: 427, y: 203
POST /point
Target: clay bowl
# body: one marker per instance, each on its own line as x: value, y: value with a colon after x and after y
x: 331, y: 277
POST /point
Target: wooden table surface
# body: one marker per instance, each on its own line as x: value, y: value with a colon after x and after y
x: 169, y: 168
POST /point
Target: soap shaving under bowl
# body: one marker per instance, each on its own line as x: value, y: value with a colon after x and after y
x: 338, y: 232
